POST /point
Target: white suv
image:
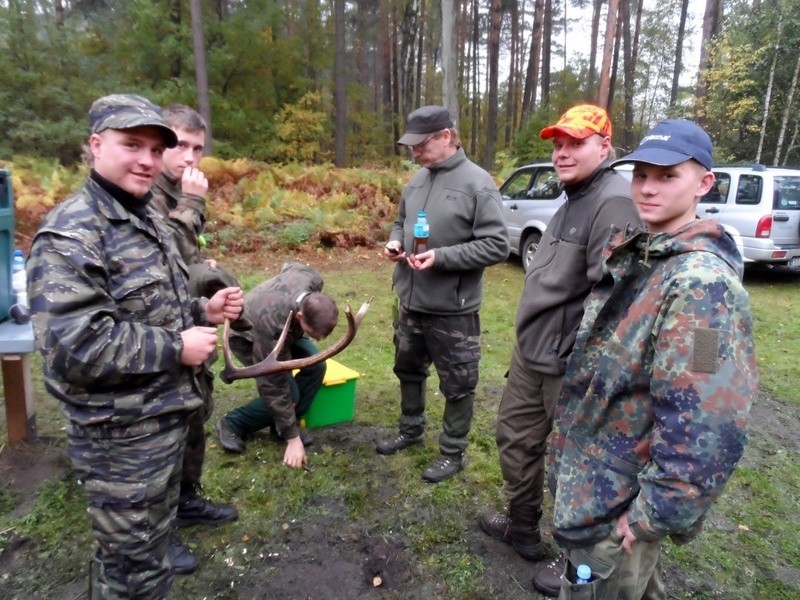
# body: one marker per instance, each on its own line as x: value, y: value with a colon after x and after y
x: 762, y: 204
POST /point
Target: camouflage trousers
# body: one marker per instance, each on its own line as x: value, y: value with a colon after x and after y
x: 131, y: 476
x: 453, y: 344
x: 203, y: 281
x: 615, y: 573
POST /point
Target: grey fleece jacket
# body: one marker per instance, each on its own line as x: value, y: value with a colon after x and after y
x: 467, y: 233
x: 567, y: 264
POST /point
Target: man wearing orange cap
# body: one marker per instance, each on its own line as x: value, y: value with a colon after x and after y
x: 564, y: 268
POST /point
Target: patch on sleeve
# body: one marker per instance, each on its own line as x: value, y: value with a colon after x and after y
x: 705, y: 355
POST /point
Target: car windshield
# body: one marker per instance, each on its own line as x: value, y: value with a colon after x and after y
x: 787, y: 193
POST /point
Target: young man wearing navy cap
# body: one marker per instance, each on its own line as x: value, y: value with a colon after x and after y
x: 652, y: 416
x: 121, y: 340
x: 440, y: 290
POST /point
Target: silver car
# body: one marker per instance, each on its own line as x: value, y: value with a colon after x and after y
x: 531, y: 196
x: 762, y: 205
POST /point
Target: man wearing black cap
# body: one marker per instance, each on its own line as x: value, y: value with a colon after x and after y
x: 122, y: 340
x: 440, y: 289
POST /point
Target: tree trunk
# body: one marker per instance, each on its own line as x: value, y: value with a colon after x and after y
x: 511, y: 98
x: 608, y: 54
x: 629, y: 66
x: 475, y: 73
x: 495, y: 23
x: 547, y: 39
x: 768, y: 98
x: 597, y: 5
x: 339, y: 96
x: 532, y: 72
x: 612, y: 84
x: 408, y: 44
x: 787, y: 112
x: 711, y: 18
x: 200, y: 70
x: 420, y: 45
x: 449, y: 59
x: 676, y: 73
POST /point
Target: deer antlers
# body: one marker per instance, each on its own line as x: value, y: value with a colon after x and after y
x: 271, y: 364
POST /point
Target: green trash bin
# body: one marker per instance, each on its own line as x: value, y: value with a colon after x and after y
x: 6, y: 242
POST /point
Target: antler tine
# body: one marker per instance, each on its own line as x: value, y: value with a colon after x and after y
x: 232, y: 373
x: 271, y: 364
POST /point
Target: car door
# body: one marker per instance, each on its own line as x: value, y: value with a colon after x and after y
x: 785, y: 210
x: 530, y: 198
x: 713, y: 204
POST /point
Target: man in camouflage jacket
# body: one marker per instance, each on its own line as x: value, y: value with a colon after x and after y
x: 283, y: 398
x: 652, y: 417
x: 121, y: 340
x: 179, y: 196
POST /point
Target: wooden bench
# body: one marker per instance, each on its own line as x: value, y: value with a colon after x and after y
x: 16, y: 344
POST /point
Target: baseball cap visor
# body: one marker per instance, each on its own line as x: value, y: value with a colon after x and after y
x: 412, y: 139
x: 654, y: 156
x: 579, y: 133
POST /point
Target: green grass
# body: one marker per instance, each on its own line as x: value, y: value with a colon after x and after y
x: 750, y: 549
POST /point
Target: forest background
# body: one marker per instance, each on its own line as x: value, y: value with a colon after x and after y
x: 330, y: 81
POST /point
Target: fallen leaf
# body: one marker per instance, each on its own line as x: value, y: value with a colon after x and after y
x: 744, y: 528
x: 376, y: 581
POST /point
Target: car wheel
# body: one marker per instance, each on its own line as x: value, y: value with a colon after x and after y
x: 529, y: 248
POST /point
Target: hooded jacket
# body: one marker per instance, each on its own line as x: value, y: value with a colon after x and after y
x: 467, y: 233
x: 653, y: 411
x: 566, y: 265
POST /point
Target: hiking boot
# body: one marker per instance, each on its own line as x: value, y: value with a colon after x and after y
x: 547, y: 576
x: 181, y: 556
x: 527, y: 543
x: 444, y: 467
x: 228, y: 439
x: 193, y: 509
x: 399, y: 442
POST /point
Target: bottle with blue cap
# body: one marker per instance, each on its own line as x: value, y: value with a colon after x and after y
x: 19, y: 280
x: 583, y: 575
x: 421, y: 234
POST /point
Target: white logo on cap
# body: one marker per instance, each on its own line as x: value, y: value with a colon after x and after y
x: 650, y: 138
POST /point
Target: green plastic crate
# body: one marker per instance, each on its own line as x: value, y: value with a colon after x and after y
x: 335, y: 401
x: 6, y: 242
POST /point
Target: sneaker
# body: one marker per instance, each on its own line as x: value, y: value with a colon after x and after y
x: 444, y: 467
x: 399, y: 442
x: 181, y: 556
x: 230, y: 441
x: 196, y: 510
x: 528, y: 544
x: 547, y: 576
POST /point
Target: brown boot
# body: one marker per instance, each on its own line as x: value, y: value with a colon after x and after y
x: 547, y: 576
x: 522, y: 533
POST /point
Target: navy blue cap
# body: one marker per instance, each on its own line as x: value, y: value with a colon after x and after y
x: 672, y: 142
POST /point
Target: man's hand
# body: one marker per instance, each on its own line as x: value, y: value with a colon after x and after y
x: 193, y: 181
x: 393, y: 250
x: 198, y: 344
x: 625, y: 532
x: 295, y: 455
x: 225, y: 304
x: 420, y: 262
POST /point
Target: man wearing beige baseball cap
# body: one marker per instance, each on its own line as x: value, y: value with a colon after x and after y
x: 566, y: 265
x: 121, y: 340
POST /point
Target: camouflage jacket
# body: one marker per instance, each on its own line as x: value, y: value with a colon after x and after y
x: 467, y: 232
x: 266, y: 307
x: 184, y: 214
x: 108, y: 298
x: 654, y: 407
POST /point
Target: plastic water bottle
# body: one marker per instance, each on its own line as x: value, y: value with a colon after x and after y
x: 584, y: 574
x: 421, y: 233
x: 19, y: 280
